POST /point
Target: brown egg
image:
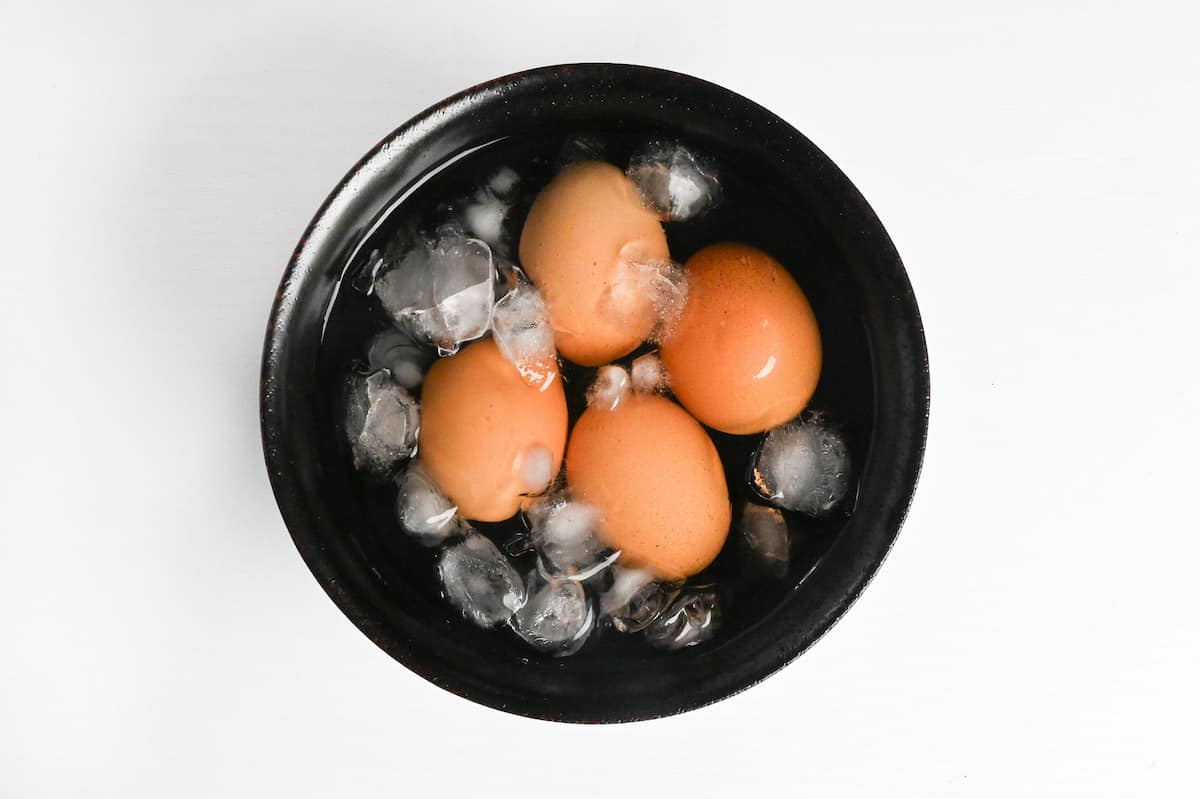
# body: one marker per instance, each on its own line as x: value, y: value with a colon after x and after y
x: 745, y: 354
x: 584, y: 234
x: 657, y: 480
x: 487, y: 437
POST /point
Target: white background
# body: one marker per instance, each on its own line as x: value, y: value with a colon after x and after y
x: 1033, y: 631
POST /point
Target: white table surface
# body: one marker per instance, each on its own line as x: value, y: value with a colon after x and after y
x: 1034, y: 630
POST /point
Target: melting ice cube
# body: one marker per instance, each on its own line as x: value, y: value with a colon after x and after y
x: 522, y: 331
x: 609, y: 388
x: 661, y: 285
x: 563, y: 531
x: 485, y: 212
x: 509, y: 277
x: 766, y: 534
x: 382, y: 420
x: 537, y: 470
x: 674, y: 181
x: 479, y: 581
x: 804, y: 466
x: 503, y: 182
x: 441, y: 290
x: 648, y: 374
x: 485, y: 217
x: 691, y: 619
x: 668, y: 293
x: 557, y: 617
x: 399, y: 354
x: 635, y: 598
x: 424, y: 511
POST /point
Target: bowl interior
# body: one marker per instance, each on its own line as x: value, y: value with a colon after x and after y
x: 782, y: 195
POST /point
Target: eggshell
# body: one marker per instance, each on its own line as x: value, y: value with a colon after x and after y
x: 657, y: 480
x: 745, y: 354
x: 484, y: 431
x: 585, y: 233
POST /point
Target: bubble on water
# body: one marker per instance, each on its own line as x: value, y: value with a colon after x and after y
x: 423, y: 510
x: 521, y: 327
x: 404, y: 358
x: 479, y: 580
x: 766, y: 535
x: 557, y: 617
x: 691, y: 619
x: 635, y: 598
x: 565, y: 532
x: 382, y: 422
x: 648, y: 374
x: 803, y: 465
x: 609, y: 388
x: 440, y: 290
x: 674, y: 181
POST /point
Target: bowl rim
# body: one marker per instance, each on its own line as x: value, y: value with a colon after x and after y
x: 282, y: 471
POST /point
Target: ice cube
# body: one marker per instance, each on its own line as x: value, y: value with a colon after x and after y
x: 382, y: 421
x: 503, y: 182
x: 668, y: 293
x: 440, y: 290
x: 564, y: 532
x: 557, y: 618
x: 766, y: 534
x: 509, y: 277
x: 646, y: 281
x: 485, y: 217
x: 597, y: 560
x: 648, y: 374
x: 424, y: 511
x: 479, y: 581
x: 635, y: 598
x: 522, y: 331
x: 609, y: 388
x: 691, y: 619
x: 518, y: 545
x: 537, y: 470
x: 404, y: 286
x: 804, y: 466
x: 404, y: 358
x: 674, y: 181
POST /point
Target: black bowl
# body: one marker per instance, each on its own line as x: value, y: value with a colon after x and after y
x: 806, y: 212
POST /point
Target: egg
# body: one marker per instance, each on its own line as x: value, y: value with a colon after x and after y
x: 657, y: 481
x: 745, y: 353
x: 586, y: 234
x: 487, y: 437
